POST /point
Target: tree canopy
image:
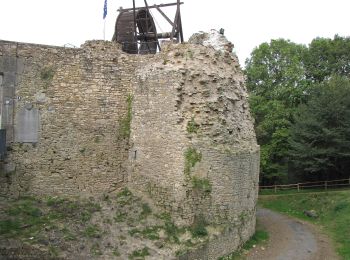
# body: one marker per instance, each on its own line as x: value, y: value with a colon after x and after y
x: 327, y: 57
x: 320, y: 136
x: 284, y: 79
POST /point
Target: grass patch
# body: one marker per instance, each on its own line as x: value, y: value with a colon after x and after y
x: 333, y: 209
x: 259, y: 237
x: 198, y: 228
x: 10, y: 227
x: 146, y: 210
x: 95, y: 250
x: 141, y: 253
x: 172, y: 231
x: 68, y: 235
x: 124, y: 197
x: 23, y: 218
x: 62, y: 208
x: 201, y: 184
x: 92, y: 231
x: 120, y: 217
x: 150, y: 233
x: 53, y: 251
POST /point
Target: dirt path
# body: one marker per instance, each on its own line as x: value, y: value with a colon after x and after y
x: 291, y: 239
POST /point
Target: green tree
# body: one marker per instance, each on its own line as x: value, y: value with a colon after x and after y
x: 326, y: 57
x: 320, y: 136
x: 277, y: 84
x: 276, y: 71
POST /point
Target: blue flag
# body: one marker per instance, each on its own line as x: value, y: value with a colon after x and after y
x: 105, y: 10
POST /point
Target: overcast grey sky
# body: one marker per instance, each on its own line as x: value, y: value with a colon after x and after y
x: 247, y: 23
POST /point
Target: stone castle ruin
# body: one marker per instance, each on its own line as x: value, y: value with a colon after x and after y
x: 174, y: 126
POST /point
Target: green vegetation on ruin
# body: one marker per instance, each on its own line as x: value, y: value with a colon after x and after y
x: 125, y: 122
x: 27, y: 216
x: 191, y: 158
x: 201, y: 184
x: 87, y: 226
x: 140, y: 253
x: 47, y: 73
x: 198, y: 228
x: 192, y: 126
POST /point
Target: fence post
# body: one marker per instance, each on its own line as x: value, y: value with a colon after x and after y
x: 275, y: 188
x: 298, y: 187
x: 325, y: 185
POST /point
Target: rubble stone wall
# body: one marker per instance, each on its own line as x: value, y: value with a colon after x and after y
x: 81, y: 95
x: 174, y: 126
x: 191, y: 101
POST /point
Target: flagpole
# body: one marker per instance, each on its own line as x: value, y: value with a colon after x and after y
x: 104, y: 30
x: 104, y: 19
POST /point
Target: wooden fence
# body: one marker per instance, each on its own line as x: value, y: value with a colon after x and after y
x: 334, y: 184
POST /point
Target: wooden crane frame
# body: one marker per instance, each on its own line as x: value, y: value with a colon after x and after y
x: 136, y: 31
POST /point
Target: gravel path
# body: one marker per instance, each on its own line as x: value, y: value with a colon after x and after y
x: 291, y: 239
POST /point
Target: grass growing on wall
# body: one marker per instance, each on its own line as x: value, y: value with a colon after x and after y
x: 125, y: 123
x: 192, y: 126
x: 46, y: 74
x: 191, y: 158
x: 198, y: 228
x: 201, y: 184
x: 139, y: 254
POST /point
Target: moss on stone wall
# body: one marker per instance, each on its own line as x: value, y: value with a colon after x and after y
x: 192, y: 156
x: 46, y: 75
x: 125, y: 122
x: 192, y: 126
x: 201, y: 184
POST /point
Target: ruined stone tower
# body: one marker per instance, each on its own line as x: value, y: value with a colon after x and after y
x: 174, y: 126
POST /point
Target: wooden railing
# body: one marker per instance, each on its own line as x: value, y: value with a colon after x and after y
x: 334, y: 184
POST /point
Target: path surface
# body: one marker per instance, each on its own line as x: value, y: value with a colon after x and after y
x: 291, y: 239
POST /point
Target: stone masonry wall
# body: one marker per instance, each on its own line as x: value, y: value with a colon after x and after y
x: 157, y: 140
x: 81, y: 95
x: 191, y: 101
x: 174, y: 126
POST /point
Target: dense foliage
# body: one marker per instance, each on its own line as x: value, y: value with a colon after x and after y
x: 286, y: 81
x: 320, y: 136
